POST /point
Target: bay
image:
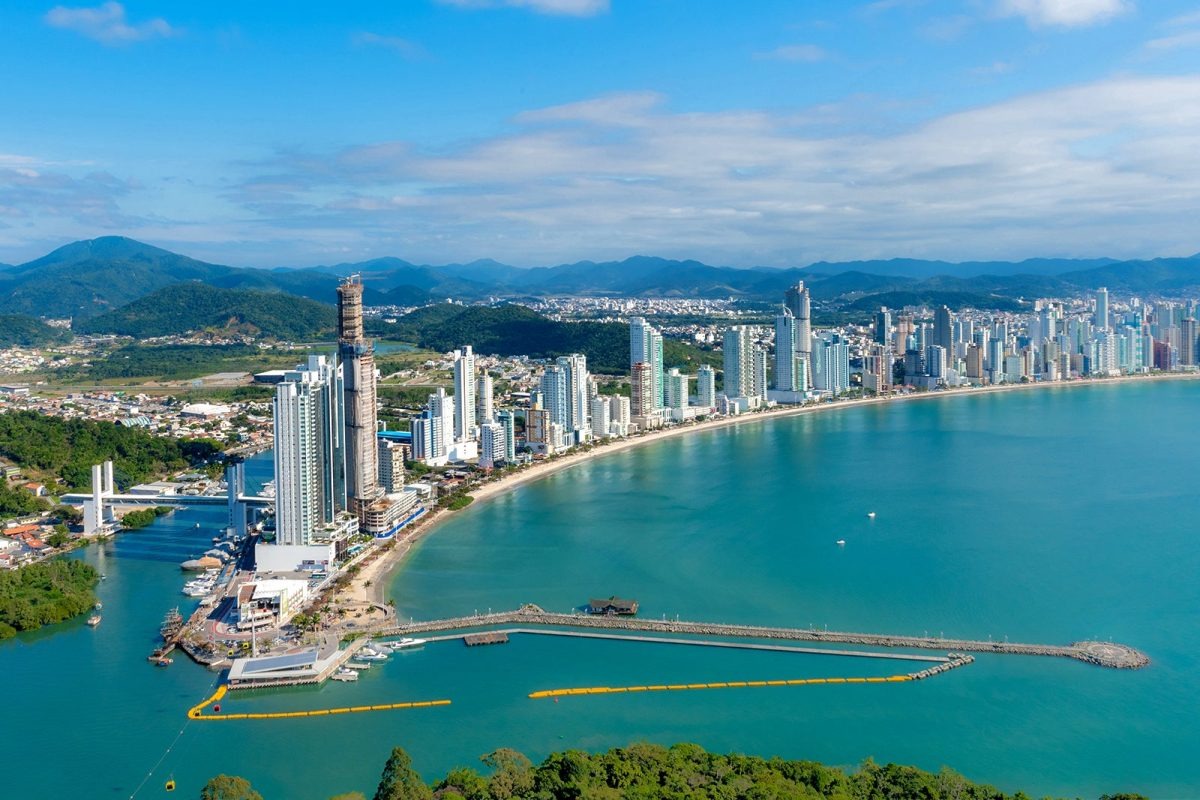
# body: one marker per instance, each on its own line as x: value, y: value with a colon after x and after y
x: 1049, y: 515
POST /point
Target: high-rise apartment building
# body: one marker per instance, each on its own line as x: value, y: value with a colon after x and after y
x: 641, y: 392
x: 786, y: 354
x: 507, y: 420
x: 740, y: 363
x: 464, y: 394
x: 1101, y: 319
x: 646, y: 347
x: 943, y: 329
x: 391, y: 466
x: 485, y: 409
x: 309, y: 457
x: 492, y: 447
x: 831, y: 364
x: 882, y: 329
x: 706, y: 387
x: 677, y: 393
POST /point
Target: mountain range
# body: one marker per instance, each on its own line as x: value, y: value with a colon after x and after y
x: 90, y: 278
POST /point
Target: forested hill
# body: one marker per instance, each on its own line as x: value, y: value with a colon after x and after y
x: 193, y: 306
x: 510, y: 330
x: 20, y: 330
x: 653, y: 772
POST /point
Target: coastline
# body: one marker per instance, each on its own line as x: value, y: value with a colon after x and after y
x: 370, y: 585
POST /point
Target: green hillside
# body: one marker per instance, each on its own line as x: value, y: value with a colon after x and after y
x: 193, y: 306
x: 511, y: 330
x: 21, y: 330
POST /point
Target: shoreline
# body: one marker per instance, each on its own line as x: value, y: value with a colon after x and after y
x: 380, y: 572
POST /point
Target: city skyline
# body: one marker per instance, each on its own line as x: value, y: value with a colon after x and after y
x: 771, y: 136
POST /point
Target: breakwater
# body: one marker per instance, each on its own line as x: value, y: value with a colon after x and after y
x: 1103, y: 654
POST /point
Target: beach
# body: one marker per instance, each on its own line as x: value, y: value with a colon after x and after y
x: 369, y: 586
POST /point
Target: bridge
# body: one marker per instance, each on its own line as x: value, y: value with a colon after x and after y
x: 97, y: 516
x: 1103, y: 654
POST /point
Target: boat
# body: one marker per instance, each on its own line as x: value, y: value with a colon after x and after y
x: 358, y: 665
x: 164, y: 662
x: 871, y: 514
x: 94, y: 620
x: 98, y: 605
x: 841, y: 542
x: 197, y: 524
x: 406, y: 642
x: 370, y: 655
x: 344, y: 674
x: 171, y: 623
x: 103, y: 577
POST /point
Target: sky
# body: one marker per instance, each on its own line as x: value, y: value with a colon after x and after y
x: 537, y: 132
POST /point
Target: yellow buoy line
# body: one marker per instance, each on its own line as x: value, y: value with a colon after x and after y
x: 197, y: 711
x: 678, y: 687
x: 955, y: 660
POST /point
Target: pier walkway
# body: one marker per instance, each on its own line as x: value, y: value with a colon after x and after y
x: 1104, y: 654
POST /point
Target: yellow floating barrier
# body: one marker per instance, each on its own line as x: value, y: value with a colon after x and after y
x: 197, y: 711
x: 718, y: 685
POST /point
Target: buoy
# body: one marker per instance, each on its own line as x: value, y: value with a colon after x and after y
x: 217, y: 708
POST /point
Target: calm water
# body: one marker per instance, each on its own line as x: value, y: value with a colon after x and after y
x: 1050, y: 515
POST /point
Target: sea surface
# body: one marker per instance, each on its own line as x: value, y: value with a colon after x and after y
x: 1050, y: 515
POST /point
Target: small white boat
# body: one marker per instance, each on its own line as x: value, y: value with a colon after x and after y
x: 358, y: 665
x: 871, y: 514
x: 370, y: 655
x: 344, y: 674
x: 93, y: 620
x: 841, y: 542
x: 406, y: 642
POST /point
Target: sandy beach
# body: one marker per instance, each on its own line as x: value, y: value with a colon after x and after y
x: 370, y: 584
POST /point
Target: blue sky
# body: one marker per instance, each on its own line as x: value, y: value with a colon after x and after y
x: 543, y: 131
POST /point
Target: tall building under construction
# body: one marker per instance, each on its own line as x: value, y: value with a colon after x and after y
x: 367, y: 500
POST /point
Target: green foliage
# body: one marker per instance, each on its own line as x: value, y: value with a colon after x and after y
x: 44, y: 594
x: 16, y: 502
x: 511, y: 330
x: 20, y: 330
x: 399, y: 781
x: 194, y: 306
x: 176, y: 362
x: 459, y: 501
x: 680, y: 772
x: 229, y: 787
x: 68, y: 448
x: 143, y: 517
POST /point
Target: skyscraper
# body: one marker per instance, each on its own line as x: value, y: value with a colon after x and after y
x: 464, y: 394
x: 506, y: 419
x: 943, y: 330
x: 831, y: 364
x: 554, y: 393
x: 309, y: 459
x: 883, y: 326
x: 646, y: 347
x: 677, y: 393
x: 706, y: 387
x: 785, y: 353
x: 358, y: 367
x: 641, y: 394
x: 798, y: 300
x: 485, y: 410
x: 739, y: 362
x: 577, y: 388
x: 1101, y: 318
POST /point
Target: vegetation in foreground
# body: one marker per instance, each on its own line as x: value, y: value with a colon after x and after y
x: 22, y: 330
x: 142, y: 362
x: 681, y: 772
x: 44, y: 594
x: 66, y: 449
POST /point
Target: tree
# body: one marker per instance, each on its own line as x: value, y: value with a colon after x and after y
x: 512, y: 774
x: 229, y: 787
x: 399, y: 781
x: 349, y: 796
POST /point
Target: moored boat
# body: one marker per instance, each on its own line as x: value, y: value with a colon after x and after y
x: 94, y: 620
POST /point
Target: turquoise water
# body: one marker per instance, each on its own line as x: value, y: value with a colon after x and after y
x: 1050, y: 515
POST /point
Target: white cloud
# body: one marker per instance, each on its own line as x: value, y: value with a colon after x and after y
x: 573, y: 8
x: 1104, y: 168
x: 1064, y: 13
x: 107, y: 23
x: 405, y: 47
x: 1175, y: 41
x: 807, y: 53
